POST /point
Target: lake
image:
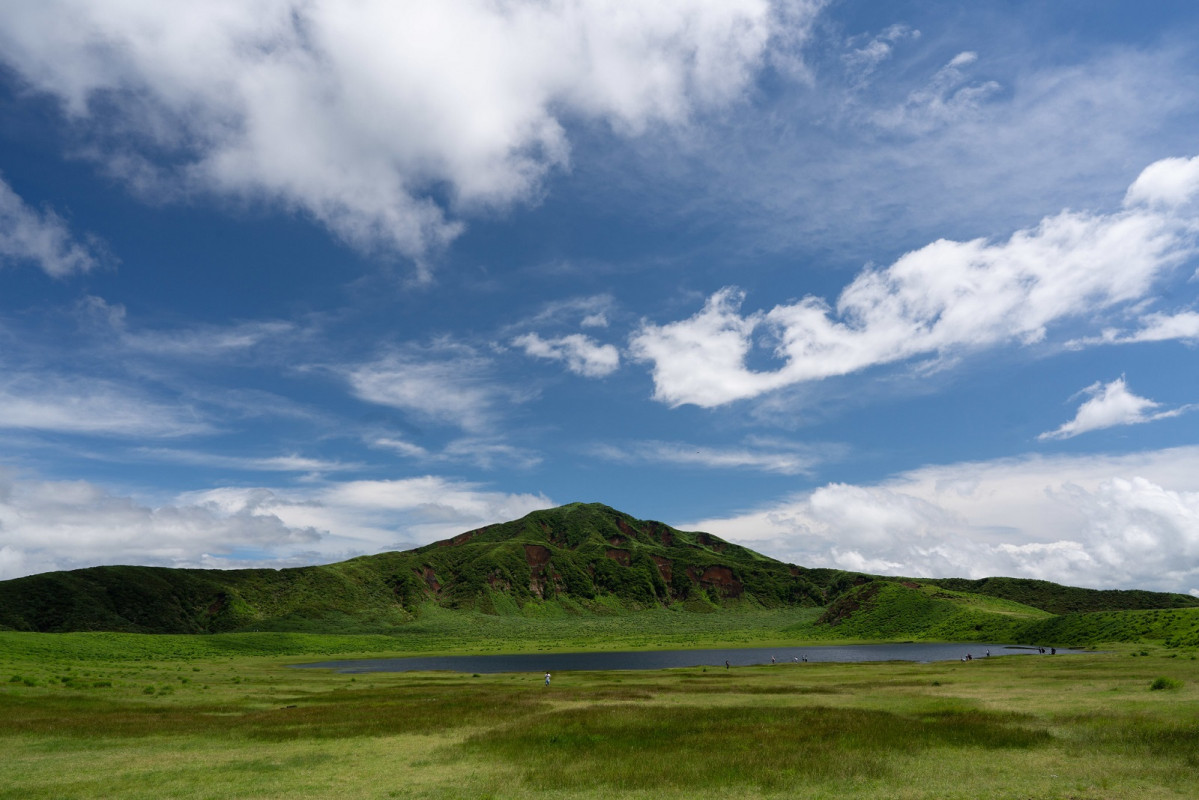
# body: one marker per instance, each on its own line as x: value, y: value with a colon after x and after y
x: 667, y: 659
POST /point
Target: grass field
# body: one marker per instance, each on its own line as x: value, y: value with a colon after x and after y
x: 120, y: 715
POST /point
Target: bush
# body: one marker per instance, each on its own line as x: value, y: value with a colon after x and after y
x: 1161, y: 684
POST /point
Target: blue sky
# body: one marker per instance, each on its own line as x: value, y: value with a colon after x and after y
x: 900, y: 287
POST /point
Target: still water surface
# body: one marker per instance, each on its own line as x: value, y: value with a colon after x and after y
x: 666, y: 659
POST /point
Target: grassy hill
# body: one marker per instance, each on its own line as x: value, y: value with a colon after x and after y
x: 579, y: 561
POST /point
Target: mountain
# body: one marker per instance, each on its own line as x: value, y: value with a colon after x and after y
x: 579, y: 558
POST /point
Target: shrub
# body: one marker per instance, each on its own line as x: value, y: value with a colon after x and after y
x: 1165, y: 683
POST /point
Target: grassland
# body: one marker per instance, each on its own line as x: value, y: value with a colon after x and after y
x: 134, y: 716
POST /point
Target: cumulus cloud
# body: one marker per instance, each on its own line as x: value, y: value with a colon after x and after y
x: 582, y: 354
x: 41, y: 238
x: 947, y: 296
x: 355, y: 113
x: 53, y: 525
x: 1107, y: 522
x: 1168, y: 183
x: 369, y: 516
x: 1110, y: 405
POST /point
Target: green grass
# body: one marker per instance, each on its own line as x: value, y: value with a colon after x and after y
x: 90, y: 715
x: 103, y: 715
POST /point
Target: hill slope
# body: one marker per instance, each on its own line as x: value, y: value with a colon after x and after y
x: 581, y: 559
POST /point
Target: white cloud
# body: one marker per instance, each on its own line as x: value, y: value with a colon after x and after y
x: 776, y: 457
x: 582, y: 354
x: 445, y: 384
x: 1157, y: 327
x: 1106, y: 522
x: 286, y: 463
x: 351, y: 113
x: 373, y: 515
x: 90, y: 406
x: 59, y: 525
x: 860, y: 62
x: 945, y: 297
x: 1110, y: 405
x: 1170, y: 182
x: 41, y: 238
x: 947, y: 98
x: 483, y: 453
x: 209, y: 342
x: 51, y: 525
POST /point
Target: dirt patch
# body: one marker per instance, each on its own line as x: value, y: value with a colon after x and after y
x: 720, y: 578
x: 665, y: 567
x: 430, y: 579
x: 662, y: 533
x: 711, y: 542
x: 462, y: 538
x: 621, y: 557
x: 846, y: 607
x: 537, y: 557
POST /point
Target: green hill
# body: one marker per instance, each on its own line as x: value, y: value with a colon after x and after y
x: 579, y: 559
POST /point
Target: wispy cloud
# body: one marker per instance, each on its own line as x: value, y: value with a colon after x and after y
x: 447, y: 384
x: 947, y: 296
x: 91, y: 406
x: 283, y: 463
x: 778, y: 457
x: 1157, y: 327
x: 1110, y: 405
x: 41, y: 238
x: 948, y: 98
x: 866, y: 54
x: 483, y: 453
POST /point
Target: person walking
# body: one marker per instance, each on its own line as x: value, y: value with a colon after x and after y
x: 547, y: 679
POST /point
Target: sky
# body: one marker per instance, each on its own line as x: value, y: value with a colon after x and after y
x: 909, y: 288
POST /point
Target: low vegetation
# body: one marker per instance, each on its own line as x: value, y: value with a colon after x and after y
x: 134, y: 716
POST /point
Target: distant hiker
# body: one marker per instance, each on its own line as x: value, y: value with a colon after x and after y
x: 772, y: 659
x: 547, y: 679
x: 988, y: 654
x: 1053, y: 651
x: 805, y: 659
x: 726, y: 663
